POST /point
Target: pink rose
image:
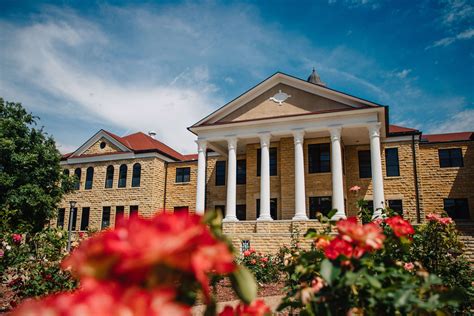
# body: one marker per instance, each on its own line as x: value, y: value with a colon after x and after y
x: 1, y: 253
x: 247, y: 253
x: 408, y: 266
x: 355, y: 188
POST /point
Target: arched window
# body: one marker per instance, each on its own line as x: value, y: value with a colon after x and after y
x: 109, y: 177
x: 89, y: 178
x: 77, y: 174
x: 137, y: 171
x: 66, y: 172
x: 122, y: 182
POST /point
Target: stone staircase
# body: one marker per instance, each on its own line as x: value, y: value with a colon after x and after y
x: 466, y: 231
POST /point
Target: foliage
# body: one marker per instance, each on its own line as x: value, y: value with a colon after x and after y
x: 30, y: 264
x: 30, y: 177
x: 155, y: 266
x: 264, y: 267
x: 436, y: 247
x: 352, y: 272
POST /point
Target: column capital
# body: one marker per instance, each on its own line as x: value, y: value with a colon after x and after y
x: 298, y: 135
x: 202, y: 145
x: 335, y: 132
x: 374, y: 129
x: 265, y: 139
x: 231, y: 142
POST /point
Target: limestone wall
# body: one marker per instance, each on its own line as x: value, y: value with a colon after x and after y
x: 439, y: 183
x: 148, y: 197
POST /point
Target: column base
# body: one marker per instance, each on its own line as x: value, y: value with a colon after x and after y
x: 230, y: 219
x: 337, y: 217
x: 300, y: 218
x: 265, y: 219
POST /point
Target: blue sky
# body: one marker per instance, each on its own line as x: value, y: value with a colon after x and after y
x: 129, y: 66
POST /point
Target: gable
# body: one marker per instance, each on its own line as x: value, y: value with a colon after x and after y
x: 300, y: 102
x: 95, y: 148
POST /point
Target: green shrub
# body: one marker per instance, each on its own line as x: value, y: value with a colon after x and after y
x: 30, y: 264
x: 264, y: 267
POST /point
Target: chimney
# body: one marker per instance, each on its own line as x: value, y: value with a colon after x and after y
x: 152, y: 134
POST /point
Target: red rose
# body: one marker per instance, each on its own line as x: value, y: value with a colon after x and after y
x: 247, y: 253
x: 400, y: 226
x: 337, y: 247
x: 107, y: 299
x: 17, y: 238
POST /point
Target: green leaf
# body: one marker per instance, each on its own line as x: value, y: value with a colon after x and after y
x: 373, y: 281
x: 244, y: 285
x: 328, y: 271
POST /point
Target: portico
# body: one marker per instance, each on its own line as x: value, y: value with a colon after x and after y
x: 275, y: 107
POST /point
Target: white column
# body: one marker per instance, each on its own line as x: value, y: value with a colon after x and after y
x: 201, y: 177
x: 336, y: 172
x: 265, y: 178
x: 376, y: 167
x: 231, y: 180
x: 300, y: 197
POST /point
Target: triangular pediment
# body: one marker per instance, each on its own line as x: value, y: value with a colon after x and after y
x: 297, y: 102
x: 102, y: 143
x: 282, y: 95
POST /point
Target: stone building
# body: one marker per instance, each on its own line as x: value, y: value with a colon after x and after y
x: 270, y: 160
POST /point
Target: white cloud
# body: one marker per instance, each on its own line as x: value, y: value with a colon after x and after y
x: 462, y: 121
x: 464, y: 35
x: 456, y: 11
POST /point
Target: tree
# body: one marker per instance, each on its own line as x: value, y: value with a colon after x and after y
x: 31, y: 180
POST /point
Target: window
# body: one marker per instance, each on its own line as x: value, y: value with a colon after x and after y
x: 77, y: 174
x: 136, y: 175
x: 122, y: 181
x: 451, y: 157
x: 396, y: 205
x: 102, y: 145
x: 319, y: 204
x: 133, y: 210
x: 85, y: 218
x: 181, y: 209
x: 370, y: 205
x: 119, y: 214
x: 183, y: 174
x: 66, y: 172
x: 245, y: 245
x: 220, y: 208
x: 364, y: 164
x: 273, y: 208
x: 74, y: 219
x: 319, y: 158
x: 273, y: 161
x: 220, y: 173
x: 457, y: 208
x: 60, y: 220
x: 241, y: 171
x: 391, y: 162
x: 89, y: 178
x: 241, y: 212
x: 105, y: 217
x: 109, y: 177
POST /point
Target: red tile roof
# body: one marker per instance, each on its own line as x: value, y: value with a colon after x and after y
x: 400, y: 129
x: 449, y: 137
x: 140, y: 142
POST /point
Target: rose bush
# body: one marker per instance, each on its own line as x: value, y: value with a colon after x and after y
x: 154, y: 266
x: 352, y: 272
x: 30, y: 264
x: 263, y: 267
